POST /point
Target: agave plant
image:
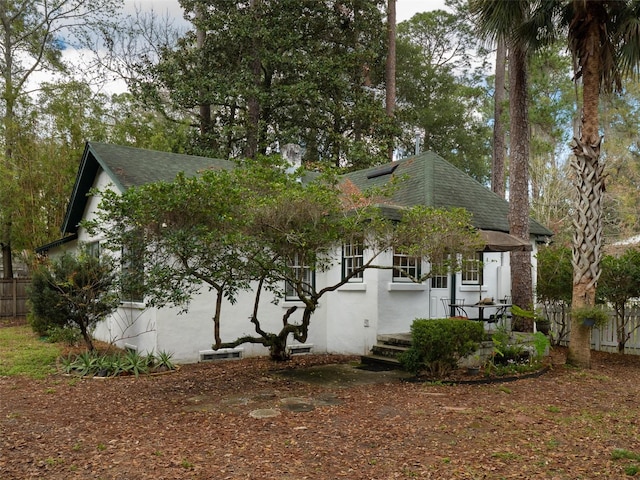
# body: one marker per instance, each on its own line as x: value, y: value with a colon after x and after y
x: 164, y: 361
x: 135, y: 363
x: 85, y: 364
x: 67, y: 364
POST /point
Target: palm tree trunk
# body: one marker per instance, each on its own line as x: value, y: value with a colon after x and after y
x: 589, y: 182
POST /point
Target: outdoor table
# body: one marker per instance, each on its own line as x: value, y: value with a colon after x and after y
x: 501, y: 308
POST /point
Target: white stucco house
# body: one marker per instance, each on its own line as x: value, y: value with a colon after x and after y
x: 347, y: 321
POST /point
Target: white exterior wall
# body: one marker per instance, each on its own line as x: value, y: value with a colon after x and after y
x: 346, y: 321
x: 352, y: 317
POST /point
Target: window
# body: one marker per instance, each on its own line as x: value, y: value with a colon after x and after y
x: 303, y: 274
x: 93, y: 249
x: 404, y: 265
x: 472, y: 271
x: 352, y: 259
x: 132, y: 275
x: 439, y: 275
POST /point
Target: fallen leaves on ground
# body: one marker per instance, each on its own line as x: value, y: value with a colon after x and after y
x: 197, y: 424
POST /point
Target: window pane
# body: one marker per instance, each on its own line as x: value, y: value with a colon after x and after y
x: 440, y: 275
x: 132, y: 275
x: 404, y: 266
x: 352, y: 259
x: 305, y: 276
x: 471, y: 271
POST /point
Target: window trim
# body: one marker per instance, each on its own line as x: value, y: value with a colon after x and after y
x: 472, y: 267
x: 413, y: 266
x: 131, y: 265
x: 352, y: 261
x: 290, y: 294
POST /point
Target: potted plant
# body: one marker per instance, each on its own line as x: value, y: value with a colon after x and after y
x: 590, y: 316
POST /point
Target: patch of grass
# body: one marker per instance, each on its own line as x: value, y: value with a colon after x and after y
x: 553, y: 444
x: 553, y: 409
x: 506, y: 455
x: 23, y: 353
x: 620, y: 453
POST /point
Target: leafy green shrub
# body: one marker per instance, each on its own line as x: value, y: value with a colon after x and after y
x: 73, y: 290
x: 437, y: 345
x: 68, y: 335
x: 541, y: 344
x: 504, y: 350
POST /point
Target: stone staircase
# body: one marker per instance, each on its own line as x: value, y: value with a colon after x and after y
x: 384, y: 354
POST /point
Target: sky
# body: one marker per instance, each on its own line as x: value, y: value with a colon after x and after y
x: 405, y: 9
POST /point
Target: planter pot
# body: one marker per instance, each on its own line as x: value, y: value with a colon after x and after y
x: 589, y: 322
x: 473, y: 370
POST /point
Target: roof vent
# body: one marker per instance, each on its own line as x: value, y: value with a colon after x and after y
x: 380, y: 172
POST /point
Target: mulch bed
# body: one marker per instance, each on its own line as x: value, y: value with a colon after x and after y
x: 201, y: 423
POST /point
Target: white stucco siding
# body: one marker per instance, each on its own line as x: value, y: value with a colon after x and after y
x: 186, y: 334
x: 131, y: 326
x: 352, y: 317
x: 399, y: 303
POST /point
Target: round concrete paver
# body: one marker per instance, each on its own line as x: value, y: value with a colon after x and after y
x: 264, y: 413
x: 297, y: 404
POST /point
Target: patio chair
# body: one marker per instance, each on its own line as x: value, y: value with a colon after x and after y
x: 457, y: 309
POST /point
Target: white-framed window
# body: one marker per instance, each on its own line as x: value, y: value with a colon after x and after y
x: 352, y: 259
x: 304, y: 274
x: 406, y: 266
x: 440, y: 275
x: 472, y: 270
x: 132, y: 276
x: 93, y: 249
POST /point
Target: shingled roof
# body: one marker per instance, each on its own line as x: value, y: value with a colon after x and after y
x: 129, y: 167
x: 428, y: 179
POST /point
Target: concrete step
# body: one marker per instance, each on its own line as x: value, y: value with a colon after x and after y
x: 381, y: 362
x: 400, y: 339
x: 385, y: 350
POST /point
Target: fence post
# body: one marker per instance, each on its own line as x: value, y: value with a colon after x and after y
x: 15, y: 297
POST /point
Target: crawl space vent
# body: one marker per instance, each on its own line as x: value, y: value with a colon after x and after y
x: 300, y: 349
x: 222, y: 354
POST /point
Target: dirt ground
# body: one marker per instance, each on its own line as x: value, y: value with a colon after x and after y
x: 253, y: 419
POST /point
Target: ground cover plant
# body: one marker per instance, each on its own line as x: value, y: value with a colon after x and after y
x: 115, y: 363
x: 23, y: 353
x: 566, y: 424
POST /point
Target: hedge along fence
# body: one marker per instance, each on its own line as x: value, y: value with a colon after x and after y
x: 437, y: 345
x: 13, y: 297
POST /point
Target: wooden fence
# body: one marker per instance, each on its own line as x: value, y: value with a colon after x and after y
x: 13, y: 297
x: 604, y: 338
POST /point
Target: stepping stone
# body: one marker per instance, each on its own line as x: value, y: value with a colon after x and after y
x: 264, y: 413
x: 297, y: 404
